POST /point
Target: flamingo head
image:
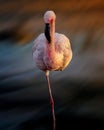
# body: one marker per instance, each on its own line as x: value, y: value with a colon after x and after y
x: 49, y: 18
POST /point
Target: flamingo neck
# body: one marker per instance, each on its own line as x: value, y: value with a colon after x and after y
x: 51, y: 46
x: 52, y: 32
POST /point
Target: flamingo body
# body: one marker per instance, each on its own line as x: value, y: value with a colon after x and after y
x: 47, y: 59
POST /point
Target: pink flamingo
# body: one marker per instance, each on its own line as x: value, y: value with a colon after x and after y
x: 51, y: 51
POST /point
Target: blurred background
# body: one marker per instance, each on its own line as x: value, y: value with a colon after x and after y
x: 78, y: 91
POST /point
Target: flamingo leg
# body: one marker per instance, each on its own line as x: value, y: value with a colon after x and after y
x: 51, y: 100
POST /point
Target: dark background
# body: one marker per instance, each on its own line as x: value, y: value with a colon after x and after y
x: 78, y: 90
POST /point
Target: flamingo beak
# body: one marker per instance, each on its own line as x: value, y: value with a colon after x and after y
x: 47, y: 32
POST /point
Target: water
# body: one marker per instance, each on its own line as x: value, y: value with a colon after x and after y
x: 24, y: 97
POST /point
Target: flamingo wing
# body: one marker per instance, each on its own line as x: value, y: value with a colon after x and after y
x: 62, y: 46
x: 38, y: 51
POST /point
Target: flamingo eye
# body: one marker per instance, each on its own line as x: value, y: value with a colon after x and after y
x: 49, y: 20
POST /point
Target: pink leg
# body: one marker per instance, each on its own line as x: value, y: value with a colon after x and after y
x: 51, y: 100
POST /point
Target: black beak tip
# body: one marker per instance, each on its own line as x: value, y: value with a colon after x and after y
x: 47, y: 32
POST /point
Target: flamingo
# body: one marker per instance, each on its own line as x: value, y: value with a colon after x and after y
x: 51, y: 52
